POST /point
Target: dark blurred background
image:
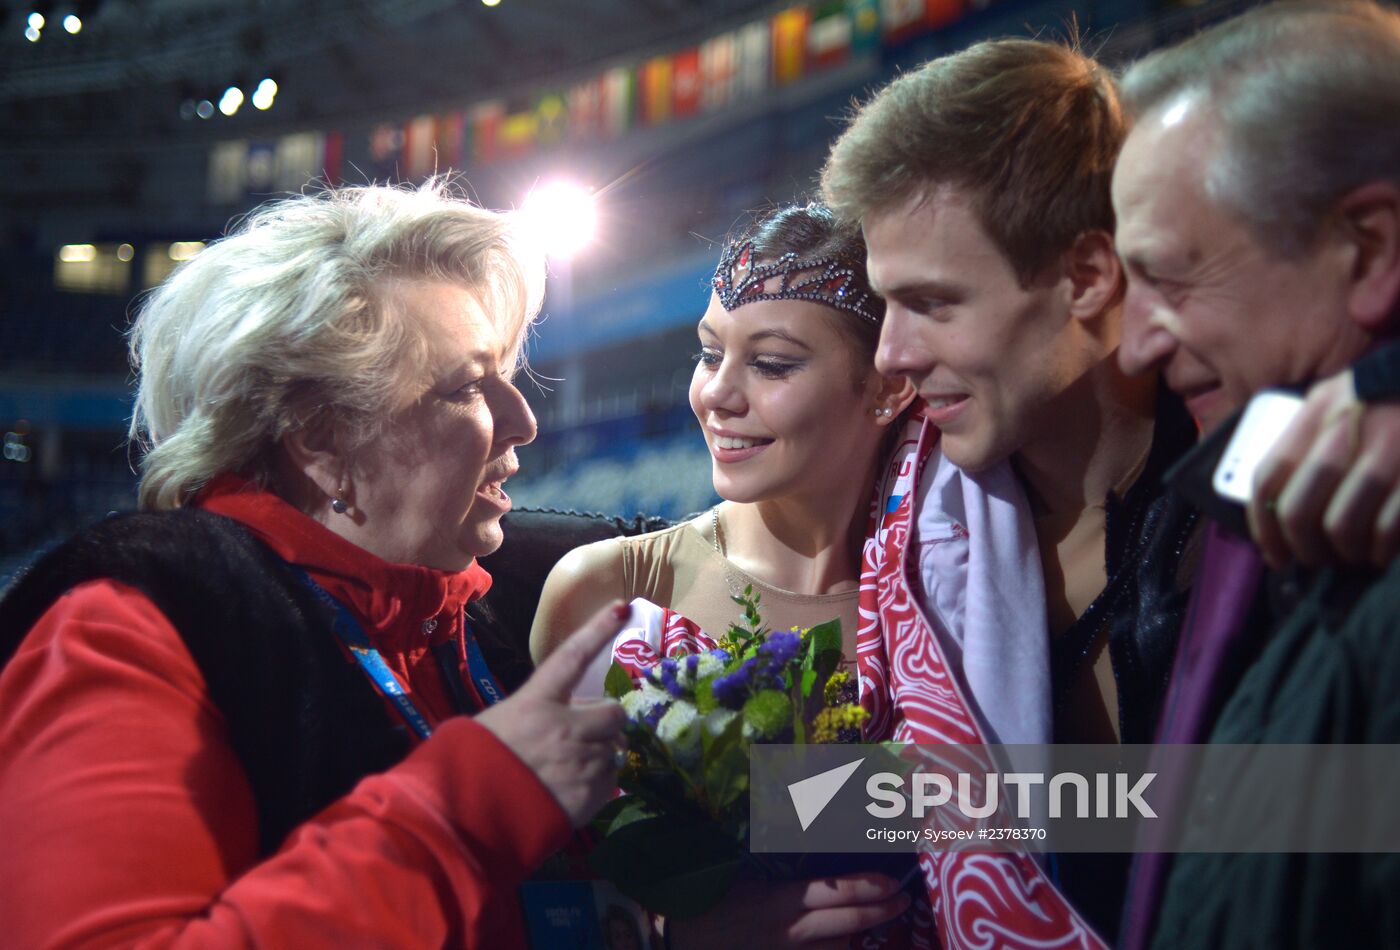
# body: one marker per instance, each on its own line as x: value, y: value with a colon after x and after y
x: 132, y: 131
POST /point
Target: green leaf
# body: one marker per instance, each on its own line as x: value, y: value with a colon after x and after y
x: 630, y: 810
x: 727, y: 775
x: 809, y: 679
x: 715, y: 743
x: 824, y: 649
x: 705, y: 701
x: 826, y: 636
x: 669, y: 865
x: 609, y: 813
x: 618, y: 682
x: 726, y: 765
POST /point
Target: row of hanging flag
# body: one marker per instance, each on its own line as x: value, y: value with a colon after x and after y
x: 730, y: 68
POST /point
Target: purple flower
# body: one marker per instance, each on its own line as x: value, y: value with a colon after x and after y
x: 733, y: 688
x: 781, y: 648
x: 654, y: 715
x: 664, y: 675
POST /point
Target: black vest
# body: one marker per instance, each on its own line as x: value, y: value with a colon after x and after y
x: 305, y: 723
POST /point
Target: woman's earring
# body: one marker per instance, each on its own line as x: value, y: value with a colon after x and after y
x: 338, y: 504
x: 881, y: 411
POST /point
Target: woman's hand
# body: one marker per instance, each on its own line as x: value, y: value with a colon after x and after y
x: 821, y: 913
x: 572, y: 747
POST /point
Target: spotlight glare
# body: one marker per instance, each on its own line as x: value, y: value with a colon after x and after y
x: 491, y: 3
x: 562, y: 216
x: 184, y: 250
x: 233, y: 98
x: 32, y: 34
x: 204, y: 109
x: 36, y: 20
x: 264, y: 95
x: 77, y: 253
x: 73, y: 24
x: 125, y: 252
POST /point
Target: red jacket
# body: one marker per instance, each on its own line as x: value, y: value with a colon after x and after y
x: 128, y: 821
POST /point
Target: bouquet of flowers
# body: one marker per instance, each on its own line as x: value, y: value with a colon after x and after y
x: 678, y: 837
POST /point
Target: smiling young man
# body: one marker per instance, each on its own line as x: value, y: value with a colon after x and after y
x: 981, y: 182
x: 1258, y: 201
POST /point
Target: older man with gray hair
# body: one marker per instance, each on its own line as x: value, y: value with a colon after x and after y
x: 1258, y: 205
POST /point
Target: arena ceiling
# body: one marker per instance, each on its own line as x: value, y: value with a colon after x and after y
x: 126, y: 74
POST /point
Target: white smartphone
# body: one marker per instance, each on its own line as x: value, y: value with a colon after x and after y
x: 1264, y: 421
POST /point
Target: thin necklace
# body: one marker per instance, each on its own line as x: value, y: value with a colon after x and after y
x: 846, y: 664
x: 734, y: 587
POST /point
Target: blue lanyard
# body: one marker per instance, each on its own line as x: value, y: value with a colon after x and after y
x: 348, y: 629
x: 486, y: 686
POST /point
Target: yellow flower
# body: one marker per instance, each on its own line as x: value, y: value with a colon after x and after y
x: 830, y: 722
x: 834, y: 684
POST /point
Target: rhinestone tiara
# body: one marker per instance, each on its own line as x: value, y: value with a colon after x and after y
x: 739, y: 280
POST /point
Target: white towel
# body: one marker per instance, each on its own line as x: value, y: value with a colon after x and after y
x: 981, y: 586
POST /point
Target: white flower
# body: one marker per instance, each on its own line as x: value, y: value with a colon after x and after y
x: 718, y: 720
x: 679, y: 730
x: 639, y: 702
x: 709, y: 665
x: 683, y: 677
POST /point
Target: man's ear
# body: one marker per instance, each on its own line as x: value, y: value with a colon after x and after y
x: 1094, y: 273
x: 894, y: 393
x: 313, y: 451
x: 1370, y: 229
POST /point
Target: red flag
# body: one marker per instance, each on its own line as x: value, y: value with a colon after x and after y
x: 486, y: 129
x: 331, y: 157
x: 685, y: 82
x: 447, y: 140
x: 419, y: 159
x: 939, y: 13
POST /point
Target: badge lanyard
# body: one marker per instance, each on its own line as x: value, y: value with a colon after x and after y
x: 353, y: 636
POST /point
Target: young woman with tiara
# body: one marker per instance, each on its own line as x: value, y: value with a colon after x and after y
x: 797, y: 421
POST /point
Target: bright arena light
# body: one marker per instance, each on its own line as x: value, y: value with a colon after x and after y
x: 184, y: 250
x: 233, y: 98
x: 36, y: 20
x: 77, y: 253
x: 32, y: 34
x: 264, y: 95
x: 491, y: 3
x: 72, y: 23
x: 562, y: 216
x: 204, y: 109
